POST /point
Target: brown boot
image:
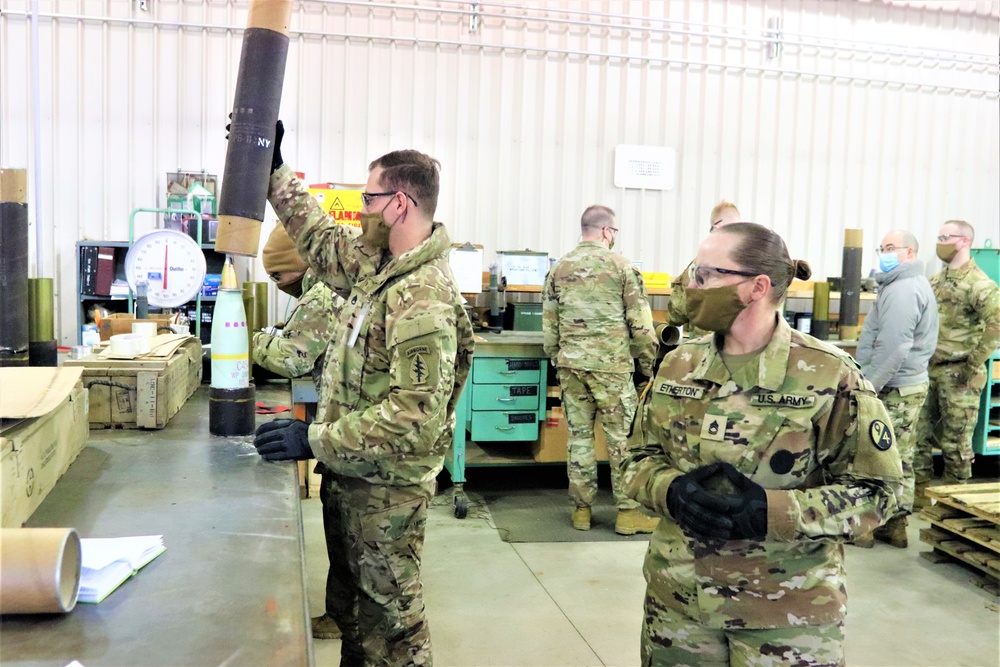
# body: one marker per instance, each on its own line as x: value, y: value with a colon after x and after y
x: 581, y: 518
x: 324, y: 627
x: 893, y: 532
x: 630, y: 522
x: 920, y: 499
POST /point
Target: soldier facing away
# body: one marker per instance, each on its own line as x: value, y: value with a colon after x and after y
x: 896, y: 343
x: 763, y: 449
x: 595, y: 320
x: 969, y: 308
x: 397, y: 362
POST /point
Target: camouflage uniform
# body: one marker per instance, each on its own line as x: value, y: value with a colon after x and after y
x: 395, y: 366
x: 801, y: 421
x: 299, y: 348
x: 969, y: 307
x: 595, y: 319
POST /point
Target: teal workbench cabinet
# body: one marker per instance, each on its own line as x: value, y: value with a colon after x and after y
x: 503, y: 399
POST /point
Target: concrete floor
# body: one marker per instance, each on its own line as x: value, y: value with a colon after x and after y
x: 579, y: 603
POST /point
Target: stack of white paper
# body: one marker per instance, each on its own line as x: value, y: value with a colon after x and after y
x: 107, y: 562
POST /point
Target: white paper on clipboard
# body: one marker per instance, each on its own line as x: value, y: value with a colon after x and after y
x: 466, y: 263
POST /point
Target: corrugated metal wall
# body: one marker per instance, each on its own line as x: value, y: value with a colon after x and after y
x: 872, y: 116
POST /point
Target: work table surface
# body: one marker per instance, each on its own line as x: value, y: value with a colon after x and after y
x: 230, y: 587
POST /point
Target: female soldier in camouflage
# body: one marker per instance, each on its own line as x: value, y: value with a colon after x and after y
x: 763, y: 449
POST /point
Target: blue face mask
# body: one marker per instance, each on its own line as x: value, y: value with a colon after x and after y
x: 888, y: 261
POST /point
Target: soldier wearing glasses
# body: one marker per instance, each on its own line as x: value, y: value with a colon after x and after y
x: 763, y: 449
x: 595, y: 320
x: 399, y: 355
x: 969, y: 307
x: 896, y: 343
x: 724, y: 213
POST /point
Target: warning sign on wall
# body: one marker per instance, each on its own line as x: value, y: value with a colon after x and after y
x: 342, y: 203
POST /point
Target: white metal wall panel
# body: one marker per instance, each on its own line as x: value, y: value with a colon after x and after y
x: 875, y: 115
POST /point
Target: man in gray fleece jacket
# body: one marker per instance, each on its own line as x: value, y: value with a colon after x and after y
x: 898, y: 337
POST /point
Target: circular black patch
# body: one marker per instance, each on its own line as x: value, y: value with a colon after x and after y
x: 782, y: 461
x: 881, y: 435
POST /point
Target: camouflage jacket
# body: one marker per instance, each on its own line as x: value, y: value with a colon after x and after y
x: 300, y: 345
x: 802, y: 422
x: 969, y: 306
x: 400, y: 351
x: 595, y: 313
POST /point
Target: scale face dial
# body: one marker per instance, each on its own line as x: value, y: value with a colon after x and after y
x: 171, y: 263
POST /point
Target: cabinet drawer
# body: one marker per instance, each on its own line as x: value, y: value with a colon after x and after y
x: 511, y: 426
x: 507, y: 371
x: 505, y: 397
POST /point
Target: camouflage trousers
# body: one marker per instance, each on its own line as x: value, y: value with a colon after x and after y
x: 948, y: 417
x: 903, y: 405
x: 584, y: 395
x: 375, y: 538
x: 671, y: 638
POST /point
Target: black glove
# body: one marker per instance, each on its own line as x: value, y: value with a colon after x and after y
x: 747, y: 507
x: 279, y: 133
x: 699, y: 512
x: 283, y: 440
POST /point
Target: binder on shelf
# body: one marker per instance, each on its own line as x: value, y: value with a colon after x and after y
x: 88, y: 269
x: 105, y: 271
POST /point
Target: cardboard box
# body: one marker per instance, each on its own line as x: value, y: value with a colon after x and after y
x: 140, y: 393
x: 37, y: 445
x: 551, y: 444
x: 121, y: 323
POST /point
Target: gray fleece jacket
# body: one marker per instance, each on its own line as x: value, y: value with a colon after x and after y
x: 899, y: 335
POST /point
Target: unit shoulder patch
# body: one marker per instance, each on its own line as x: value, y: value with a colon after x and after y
x: 880, y: 434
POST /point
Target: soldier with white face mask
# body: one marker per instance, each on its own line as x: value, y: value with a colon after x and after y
x: 897, y: 340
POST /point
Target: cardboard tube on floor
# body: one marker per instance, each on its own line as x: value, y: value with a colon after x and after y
x: 39, y: 570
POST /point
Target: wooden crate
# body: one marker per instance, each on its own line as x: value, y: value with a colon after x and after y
x: 34, y: 454
x: 965, y: 525
x: 143, y: 392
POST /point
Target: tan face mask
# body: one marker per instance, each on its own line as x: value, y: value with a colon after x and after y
x: 374, y: 229
x: 946, y: 251
x: 714, y: 308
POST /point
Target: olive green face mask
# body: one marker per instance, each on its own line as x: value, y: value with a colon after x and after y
x: 714, y: 308
x: 374, y: 230
x: 946, y: 251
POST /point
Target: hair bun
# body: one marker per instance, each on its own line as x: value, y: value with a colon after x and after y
x: 801, y: 269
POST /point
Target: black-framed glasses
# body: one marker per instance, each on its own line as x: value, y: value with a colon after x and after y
x: 368, y: 197
x: 944, y: 238
x: 698, y: 274
x: 890, y: 248
x: 614, y: 229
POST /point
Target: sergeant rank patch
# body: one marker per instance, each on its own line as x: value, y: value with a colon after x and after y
x: 881, y: 435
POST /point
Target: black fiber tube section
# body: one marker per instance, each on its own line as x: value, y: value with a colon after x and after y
x: 43, y: 353
x: 251, y: 133
x: 232, y: 411
x: 13, y: 284
x: 850, y: 287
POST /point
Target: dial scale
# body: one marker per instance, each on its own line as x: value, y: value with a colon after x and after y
x: 172, y: 264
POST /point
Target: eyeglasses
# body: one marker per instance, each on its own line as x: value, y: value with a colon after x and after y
x: 890, y: 248
x: 614, y: 229
x: 699, y: 274
x: 944, y: 238
x: 368, y: 197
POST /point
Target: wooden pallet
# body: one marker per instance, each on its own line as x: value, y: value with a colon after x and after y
x: 965, y: 525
